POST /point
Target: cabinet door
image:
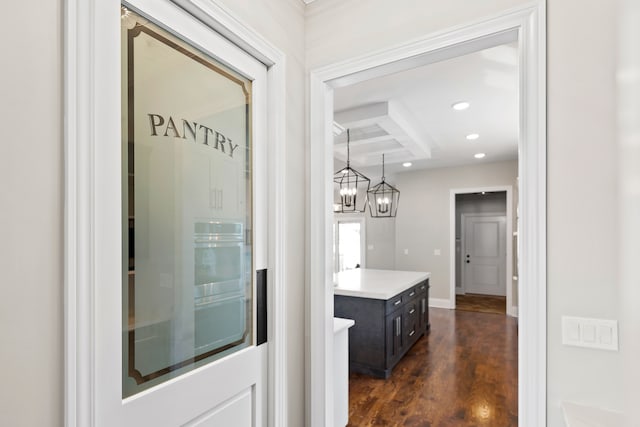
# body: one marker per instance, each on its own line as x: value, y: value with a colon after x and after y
x: 395, y: 337
x: 228, y: 198
x: 423, y: 312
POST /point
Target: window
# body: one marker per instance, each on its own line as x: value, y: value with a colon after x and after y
x: 348, y: 243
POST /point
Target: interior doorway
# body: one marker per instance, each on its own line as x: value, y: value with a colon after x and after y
x: 482, y: 257
x: 528, y: 23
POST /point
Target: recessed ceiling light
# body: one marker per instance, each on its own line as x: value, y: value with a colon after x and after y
x: 479, y: 155
x: 407, y: 164
x: 459, y: 106
x: 473, y: 136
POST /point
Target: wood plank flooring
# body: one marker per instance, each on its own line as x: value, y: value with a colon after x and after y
x: 463, y: 373
x: 482, y: 303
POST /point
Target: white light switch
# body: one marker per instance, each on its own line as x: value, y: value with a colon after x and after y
x: 590, y: 333
x: 370, y: 247
x: 406, y: 251
x: 570, y: 331
x: 436, y: 252
x: 605, y: 333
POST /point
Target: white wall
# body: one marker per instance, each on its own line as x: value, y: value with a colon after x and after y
x: 381, y: 243
x: 423, y: 220
x: 629, y: 185
x: 582, y: 198
x: 338, y: 29
x: 582, y: 176
x: 31, y: 180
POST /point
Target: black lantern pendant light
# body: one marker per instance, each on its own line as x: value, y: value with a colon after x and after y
x: 383, y: 199
x: 350, y: 188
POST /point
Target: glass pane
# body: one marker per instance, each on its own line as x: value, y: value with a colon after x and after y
x: 187, y: 223
x: 349, y: 245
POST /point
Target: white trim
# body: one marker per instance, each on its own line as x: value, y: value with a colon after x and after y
x: 442, y: 303
x: 85, y: 30
x: 319, y: 283
x: 529, y: 21
x: 508, y: 189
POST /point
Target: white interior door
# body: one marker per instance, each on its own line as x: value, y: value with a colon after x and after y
x: 194, y: 216
x: 484, y: 254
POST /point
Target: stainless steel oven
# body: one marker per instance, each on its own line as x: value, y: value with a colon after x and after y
x: 220, y: 283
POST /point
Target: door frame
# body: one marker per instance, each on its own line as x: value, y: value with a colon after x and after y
x: 529, y: 22
x: 508, y: 189
x: 91, y: 26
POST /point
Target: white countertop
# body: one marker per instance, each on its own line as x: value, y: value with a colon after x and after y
x: 340, y: 324
x: 376, y: 284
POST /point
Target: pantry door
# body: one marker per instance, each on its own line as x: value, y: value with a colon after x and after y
x: 194, y: 219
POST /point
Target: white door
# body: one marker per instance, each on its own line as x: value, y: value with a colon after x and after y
x: 194, y: 215
x: 484, y: 254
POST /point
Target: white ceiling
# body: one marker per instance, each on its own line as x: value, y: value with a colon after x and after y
x: 419, y: 104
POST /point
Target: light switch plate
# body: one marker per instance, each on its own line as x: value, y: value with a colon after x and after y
x: 590, y: 333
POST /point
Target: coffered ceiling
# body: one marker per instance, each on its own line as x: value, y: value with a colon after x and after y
x: 408, y: 115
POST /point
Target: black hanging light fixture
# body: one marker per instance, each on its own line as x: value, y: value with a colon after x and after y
x: 383, y: 198
x: 350, y: 188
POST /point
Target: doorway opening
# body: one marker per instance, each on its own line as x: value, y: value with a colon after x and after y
x: 483, y: 254
x: 348, y: 243
x: 528, y: 23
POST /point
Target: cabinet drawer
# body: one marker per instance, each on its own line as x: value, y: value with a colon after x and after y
x: 411, y: 320
x: 422, y: 287
x: 411, y: 309
x: 394, y: 303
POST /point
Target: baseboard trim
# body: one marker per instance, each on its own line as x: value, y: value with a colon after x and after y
x: 441, y: 303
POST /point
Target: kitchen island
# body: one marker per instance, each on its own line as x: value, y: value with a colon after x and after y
x: 391, y: 311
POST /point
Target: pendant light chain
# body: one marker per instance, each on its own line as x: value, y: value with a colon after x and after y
x: 382, y: 167
x: 348, y: 151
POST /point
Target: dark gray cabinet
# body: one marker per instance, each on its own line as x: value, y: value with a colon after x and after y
x: 385, y: 329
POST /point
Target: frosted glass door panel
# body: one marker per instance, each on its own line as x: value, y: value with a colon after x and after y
x: 187, y: 214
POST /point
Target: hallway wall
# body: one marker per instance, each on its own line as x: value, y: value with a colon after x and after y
x: 31, y: 215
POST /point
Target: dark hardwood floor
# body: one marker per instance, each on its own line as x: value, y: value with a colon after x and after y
x: 463, y: 373
x: 482, y: 303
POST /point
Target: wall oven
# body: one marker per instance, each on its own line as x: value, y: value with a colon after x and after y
x: 220, y: 277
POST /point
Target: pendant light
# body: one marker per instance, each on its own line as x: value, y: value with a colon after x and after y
x: 350, y: 188
x: 383, y: 199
